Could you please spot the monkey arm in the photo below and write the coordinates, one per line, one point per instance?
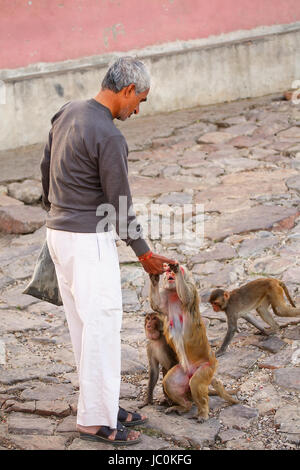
(232, 327)
(157, 301)
(153, 366)
(184, 290)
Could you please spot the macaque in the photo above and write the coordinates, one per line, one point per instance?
(258, 294)
(158, 352)
(187, 381)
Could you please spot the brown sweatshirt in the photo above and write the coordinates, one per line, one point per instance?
(85, 165)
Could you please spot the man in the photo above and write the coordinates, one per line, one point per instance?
(84, 173)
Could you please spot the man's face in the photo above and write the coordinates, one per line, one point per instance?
(130, 102)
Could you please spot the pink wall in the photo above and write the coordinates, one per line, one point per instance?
(54, 30)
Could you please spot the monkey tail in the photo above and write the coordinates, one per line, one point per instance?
(282, 284)
(219, 388)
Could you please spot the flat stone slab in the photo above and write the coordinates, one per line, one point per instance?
(23, 407)
(291, 133)
(244, 444)
(19, 423)
(281, 359)
(35, 442)
(80, 444)
(238, 416)
(220, 252)
(68, 424)
(130, 362)
(248, 185)
(255, 246)
(175, 198)
(292, 333)
(9, 201)
(186, 430)
(128, 390)
(54, 407)
(215, 137)
(272, 344)
(21, 268)
(287, 419)
(49, 393)
(10, 377)
(130, 300)
(21, 219)
(147, 443)
(288, 378)
(143, 186)
(24, 162)
(2, 352)
(12, 320)
(267, 399)
(15, 298)
(252, 219)
(236, 363)
(293, 183)
(230, 435)
(222, 277)
(272, 266)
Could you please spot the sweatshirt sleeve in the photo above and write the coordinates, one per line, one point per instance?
(113, 172)
(45, 162)
(45, 171)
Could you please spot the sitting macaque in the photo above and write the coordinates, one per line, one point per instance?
(185, 331)
(159, 353)
(258, 294)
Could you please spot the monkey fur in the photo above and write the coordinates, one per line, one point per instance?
(259, 295)
(185, 332)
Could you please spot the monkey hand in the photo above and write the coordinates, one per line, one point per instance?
(154, 278)
(145, 403)
(174, 267)
(153, 263)
(220, 353)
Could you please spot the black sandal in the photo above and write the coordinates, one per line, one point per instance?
(103, 433)
(136, 418)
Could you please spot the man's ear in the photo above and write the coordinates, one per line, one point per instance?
(226, 295)
(128, 90)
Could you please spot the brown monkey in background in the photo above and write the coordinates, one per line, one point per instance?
(158, 352)
(185, 331)
(258, 294)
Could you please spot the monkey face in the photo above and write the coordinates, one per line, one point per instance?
(169, 280)
(216, 306)
(153, 326)
(169, 277)
(219, 299)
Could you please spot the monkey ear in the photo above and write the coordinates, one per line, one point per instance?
(226, 295)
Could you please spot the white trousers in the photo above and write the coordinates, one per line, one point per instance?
(88, 273)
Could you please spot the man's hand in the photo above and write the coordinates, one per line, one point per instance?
(153, 263)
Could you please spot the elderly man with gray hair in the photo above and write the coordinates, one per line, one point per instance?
(85, 178)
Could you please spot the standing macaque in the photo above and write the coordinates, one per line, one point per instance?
(259, 295)
(158, 352)
(185, 331)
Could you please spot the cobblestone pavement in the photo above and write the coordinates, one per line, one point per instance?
(241, 160)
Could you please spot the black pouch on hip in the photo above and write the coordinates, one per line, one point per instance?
(43, 284)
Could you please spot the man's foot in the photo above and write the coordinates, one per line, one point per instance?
(92, 430)
(128, 418)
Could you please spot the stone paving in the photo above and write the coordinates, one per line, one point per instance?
(241, 160)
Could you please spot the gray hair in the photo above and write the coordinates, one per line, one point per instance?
(123, 72)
